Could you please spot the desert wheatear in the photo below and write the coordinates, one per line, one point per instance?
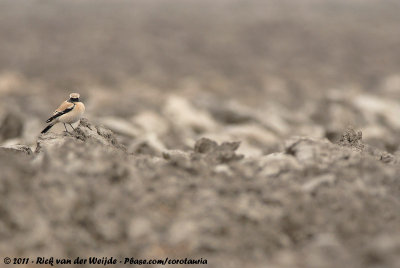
(70, 111)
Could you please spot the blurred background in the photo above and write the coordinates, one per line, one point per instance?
(162, 73)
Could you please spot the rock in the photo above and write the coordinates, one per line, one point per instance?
(18, 148)
(148, 144)
(185, 116)
(215, 153)
(312, 131)
(120, 126)
(175, 155)
(253, 134)
(223, 169)
(255, 140)
(352, 139)
(205, 145)
(374, 108)
(230, 112)
(179, 159)
(273, 118)
(318, 152)
(303, 148)
(85, 132)
(276, 164)
(151, 122)
(247, 148)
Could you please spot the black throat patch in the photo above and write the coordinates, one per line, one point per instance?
(73, 100)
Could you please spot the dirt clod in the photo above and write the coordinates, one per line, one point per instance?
(351, 138)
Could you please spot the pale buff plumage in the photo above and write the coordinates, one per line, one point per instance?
(70, 111)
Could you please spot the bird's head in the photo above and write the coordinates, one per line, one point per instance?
(74, 97)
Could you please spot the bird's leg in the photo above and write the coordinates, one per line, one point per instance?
(72, 127)
(66, 128)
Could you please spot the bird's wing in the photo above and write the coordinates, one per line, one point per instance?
(64, 108)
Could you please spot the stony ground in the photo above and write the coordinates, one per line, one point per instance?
(252, 134)
(312, 204)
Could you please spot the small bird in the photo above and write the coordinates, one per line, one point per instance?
(70, 111)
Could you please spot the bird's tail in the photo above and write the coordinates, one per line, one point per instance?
(53, 117)
(48, 127)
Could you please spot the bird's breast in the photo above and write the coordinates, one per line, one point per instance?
(74, 115)
(80, 107)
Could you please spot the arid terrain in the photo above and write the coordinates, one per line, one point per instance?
(248, 133)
